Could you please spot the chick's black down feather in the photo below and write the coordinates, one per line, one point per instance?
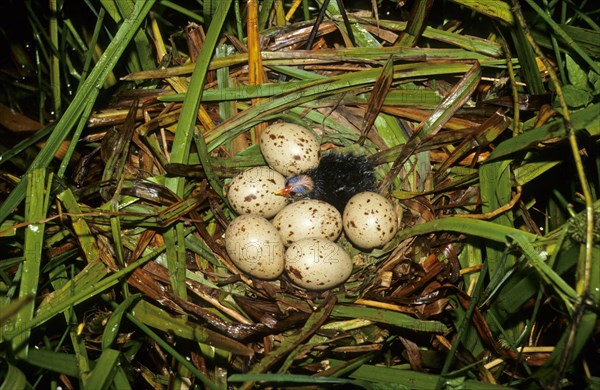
(340, 176)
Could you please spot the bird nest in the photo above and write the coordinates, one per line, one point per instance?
(140, 211)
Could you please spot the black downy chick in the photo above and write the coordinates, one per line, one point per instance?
(338, 177)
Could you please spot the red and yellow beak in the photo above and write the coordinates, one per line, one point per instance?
(285, 191)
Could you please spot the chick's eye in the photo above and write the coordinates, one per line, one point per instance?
(292, 181)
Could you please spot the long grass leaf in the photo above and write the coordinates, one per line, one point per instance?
(113, 324)
(59, 362)
(473, 227)
(528, 62)
(389, 317)
(326, 56)
(103, 373)
(191, 103)
(497, 9)
(495, 183)
(36, 206)
(13, 379)
(416, 23)
(182, 142)
(82, 230)
(390, 377)
(285, 378)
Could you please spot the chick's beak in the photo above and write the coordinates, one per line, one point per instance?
(285, 191)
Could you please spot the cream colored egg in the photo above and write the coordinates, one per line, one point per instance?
(289, 148)
(317, 264)
(369, 220)
(309, 218)
(254, 246)
(253, 192)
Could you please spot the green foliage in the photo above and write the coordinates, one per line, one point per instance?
(124, 124)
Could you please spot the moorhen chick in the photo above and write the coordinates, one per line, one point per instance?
(338, 177)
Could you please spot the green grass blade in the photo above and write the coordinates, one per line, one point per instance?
(176, 259)
(495, 184)
(379, 377)
(416, 23)
(75, 138)
(8, 309)
(209, 10)
(14, 379)
(10, 153)
(529, 171)
(474, 227)
(463, 327)
(111, 330)
(141, 58)
(402, 97)
(191, 103)
(59, 362)
(182, 10)
(527, 60)
(389, 317)
(121, 381)
(265, 10)
(327, 56)
(496, 9)
(447, 108)
(81, 228)
(112, 8)
(89, 55)
(104, 371)
(59, 277)
(55, 82)
(36, 206)
(286, 378)
(538, 262)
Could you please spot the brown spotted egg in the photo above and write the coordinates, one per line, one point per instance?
(308, 218)
(254, 246)
(317, 264)
(289, 148)
(253, 192)
(369, 220)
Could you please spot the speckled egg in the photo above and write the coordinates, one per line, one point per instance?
(253, 192)
(255, 247)
(369, 220)
(309, 218)
(317, 264)
(289, 148)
